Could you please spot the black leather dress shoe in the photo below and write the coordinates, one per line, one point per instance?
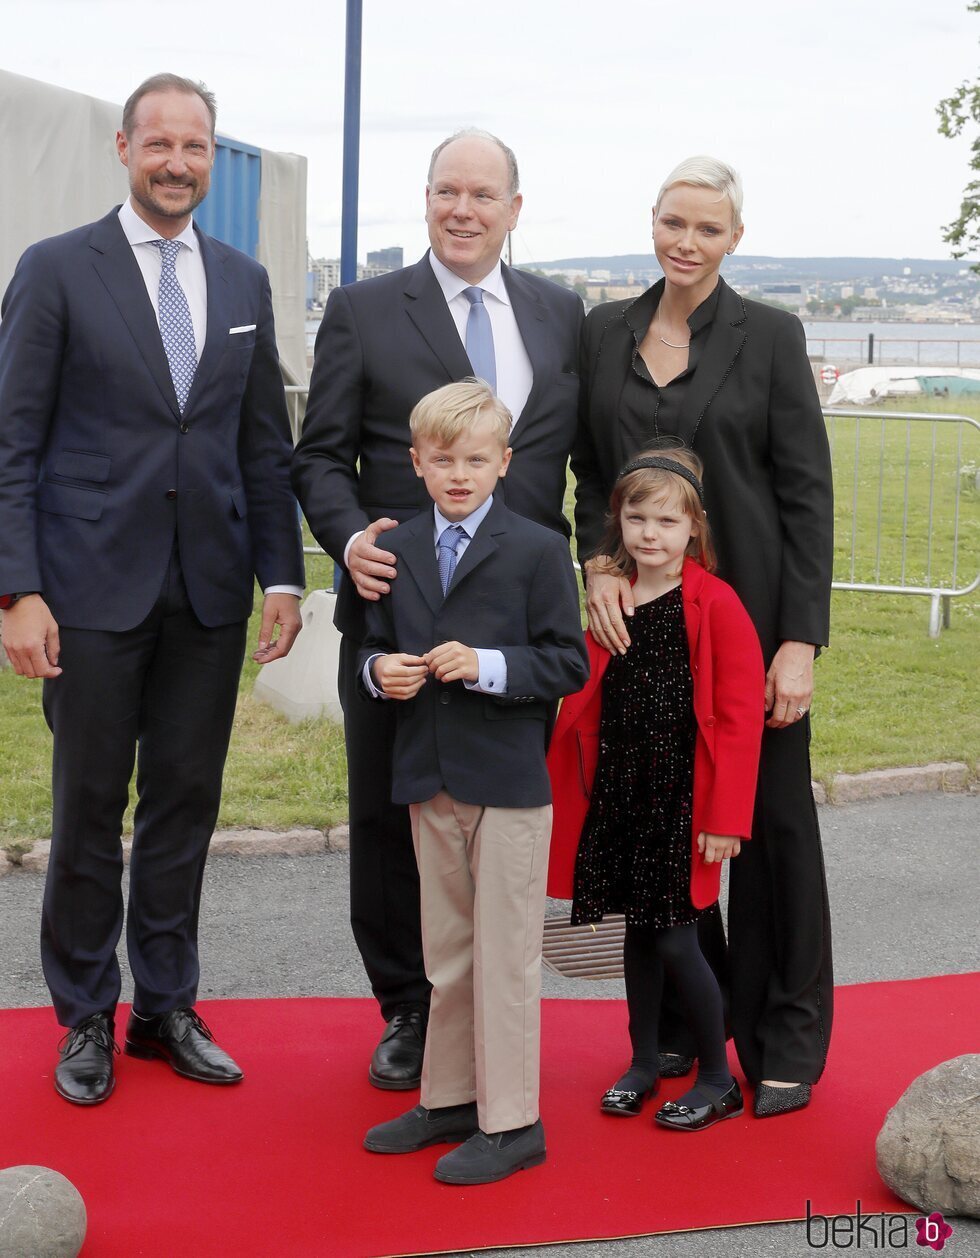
(701, 1117)
(484, 1159)
(626, 1104)
(421, 1127)
(674, 1065)
(182, 1038)
(84, 1074)
(396, 1064)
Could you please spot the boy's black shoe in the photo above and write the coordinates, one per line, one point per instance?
(484, 1159)
(421, 1127)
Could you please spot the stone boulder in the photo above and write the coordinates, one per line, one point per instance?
(928, 1150)
(42, 1214)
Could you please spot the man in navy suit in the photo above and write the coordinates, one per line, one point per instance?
(383, 344)
(144, 485)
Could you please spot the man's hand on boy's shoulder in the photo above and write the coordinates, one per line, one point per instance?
(452, 661)
(400, 676)
(370, 567)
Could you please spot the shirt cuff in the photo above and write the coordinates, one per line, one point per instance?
(493, 672)
(369, 685)
(350, 542)
(295, 590)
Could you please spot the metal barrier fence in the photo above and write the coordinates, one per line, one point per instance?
(904, 485)
(932, 353)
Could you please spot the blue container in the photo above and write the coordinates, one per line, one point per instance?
(230, 211)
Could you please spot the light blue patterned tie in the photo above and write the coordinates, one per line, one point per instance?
(448, 541)
(176, 326)
(479, 338)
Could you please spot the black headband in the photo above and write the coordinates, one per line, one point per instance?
(666, 465)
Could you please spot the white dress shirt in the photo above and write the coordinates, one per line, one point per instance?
(491, 662)
(515, 375)
(192, 279)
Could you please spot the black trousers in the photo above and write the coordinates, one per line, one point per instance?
(163, 693)
(782, 983)
(384, 878)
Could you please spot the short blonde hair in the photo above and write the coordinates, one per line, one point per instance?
(445, 414)
(656, 482)
(707, 172)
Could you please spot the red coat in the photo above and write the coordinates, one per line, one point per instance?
(729, 701)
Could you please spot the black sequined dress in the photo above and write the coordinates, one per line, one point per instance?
(634, 856)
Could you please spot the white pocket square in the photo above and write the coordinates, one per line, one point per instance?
(246, 327)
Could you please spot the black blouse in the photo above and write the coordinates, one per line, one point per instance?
(648, 410)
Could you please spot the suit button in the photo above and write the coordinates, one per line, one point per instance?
(185, 428)
(171, 493)
(710, 721)
(444, 697)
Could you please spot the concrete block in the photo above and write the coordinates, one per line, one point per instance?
(338, 839)
(303, 686)
(36, 860)
(849, 788)
(267, 843)
(42, 1214)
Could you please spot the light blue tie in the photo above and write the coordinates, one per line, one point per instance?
(176, 326)
(448, 541)
(479, 338)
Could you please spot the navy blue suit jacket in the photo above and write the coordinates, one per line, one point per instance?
(99, 471)
(514, 590)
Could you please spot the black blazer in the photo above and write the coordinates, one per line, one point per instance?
(514, 590)
(383, 344)
(99, 471)
(753, 414)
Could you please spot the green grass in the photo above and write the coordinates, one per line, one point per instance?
(886, 693)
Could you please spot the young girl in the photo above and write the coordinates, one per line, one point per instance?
(653, 769)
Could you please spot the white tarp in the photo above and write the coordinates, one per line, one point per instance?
(871, 384)
(59, 169)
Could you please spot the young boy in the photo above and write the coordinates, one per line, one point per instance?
(478, 638)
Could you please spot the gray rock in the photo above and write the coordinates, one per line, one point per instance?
(929, 1147)
(42, 1214)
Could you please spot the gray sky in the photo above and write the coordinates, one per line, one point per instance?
(827, 109)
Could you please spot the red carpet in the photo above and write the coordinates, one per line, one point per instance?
(275, 1168)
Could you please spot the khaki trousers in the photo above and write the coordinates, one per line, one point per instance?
(483, 873)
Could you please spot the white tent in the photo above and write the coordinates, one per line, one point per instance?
(59, 169)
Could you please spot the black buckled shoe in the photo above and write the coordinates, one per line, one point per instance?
(626, 1104)
(701, 1117)
(421, 1127)
(396, 1065)
(84, 1074)
(484, 1159)
(182, 1038)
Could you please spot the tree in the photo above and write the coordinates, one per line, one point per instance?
(954, 114)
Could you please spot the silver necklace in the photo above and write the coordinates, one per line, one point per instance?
(670, 344)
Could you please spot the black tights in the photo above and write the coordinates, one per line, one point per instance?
(647, 953)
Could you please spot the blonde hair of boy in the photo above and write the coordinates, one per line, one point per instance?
(441, 417)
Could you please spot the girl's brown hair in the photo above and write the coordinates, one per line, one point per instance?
(655, 482)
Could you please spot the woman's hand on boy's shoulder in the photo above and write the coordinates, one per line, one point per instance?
(718, 847)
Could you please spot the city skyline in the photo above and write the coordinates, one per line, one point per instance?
(829, 114)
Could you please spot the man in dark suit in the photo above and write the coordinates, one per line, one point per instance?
(383, 344)
(144, 456)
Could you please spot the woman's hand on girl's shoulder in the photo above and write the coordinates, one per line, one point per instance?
(718, 847)
(608, 597)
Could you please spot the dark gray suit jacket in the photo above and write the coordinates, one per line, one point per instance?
(383, 344)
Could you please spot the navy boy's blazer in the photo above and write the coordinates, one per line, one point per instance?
(513, 590)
